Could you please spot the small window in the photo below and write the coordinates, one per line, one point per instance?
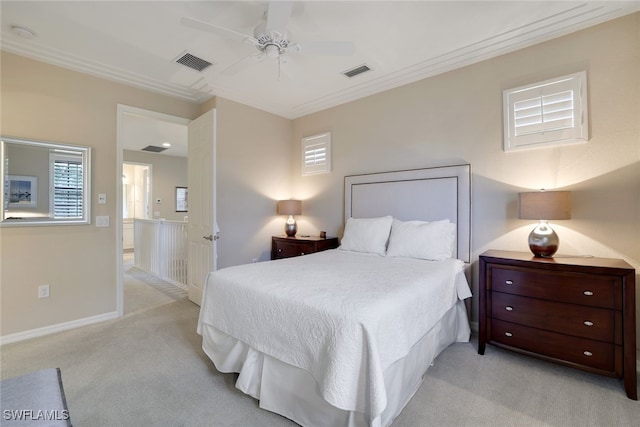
(67, 186)
(548, 113)
(316, 154)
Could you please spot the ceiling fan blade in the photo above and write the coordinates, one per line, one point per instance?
(216, 29)
(335, 48)
(278, 16)
(245, 62)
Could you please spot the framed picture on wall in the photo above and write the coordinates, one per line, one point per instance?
(22, 191)
(182, 199)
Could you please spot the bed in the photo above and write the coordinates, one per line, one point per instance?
(344, 337)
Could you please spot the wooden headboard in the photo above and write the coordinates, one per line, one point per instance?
(426, 194)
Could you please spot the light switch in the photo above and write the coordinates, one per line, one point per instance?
(102, 221)
(102, 199)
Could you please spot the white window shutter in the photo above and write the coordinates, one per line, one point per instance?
(66, 181)
(547, 113)
(316, 154)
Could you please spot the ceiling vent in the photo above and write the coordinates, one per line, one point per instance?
(193, 62)
(154, 148)
(358, 70)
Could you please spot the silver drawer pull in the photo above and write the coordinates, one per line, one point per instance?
(588, 323)
(508, 334)
(508, 308)
(301, 253)
(588, 293)
(587, 353)
(509, 282)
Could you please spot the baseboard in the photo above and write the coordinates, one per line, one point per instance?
(47, 330)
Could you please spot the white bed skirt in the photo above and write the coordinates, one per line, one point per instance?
(292, 392)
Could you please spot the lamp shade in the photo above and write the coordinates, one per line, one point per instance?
(546, 205)
(289, 207)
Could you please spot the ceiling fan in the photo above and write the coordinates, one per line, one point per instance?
(270, 38)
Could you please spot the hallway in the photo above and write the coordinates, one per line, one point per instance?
(143, 291)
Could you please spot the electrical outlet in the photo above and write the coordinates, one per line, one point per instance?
(43, 291)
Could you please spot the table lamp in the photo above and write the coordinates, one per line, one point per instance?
(291, 208)
(544, 206)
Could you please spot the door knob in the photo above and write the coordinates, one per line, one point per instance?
(209, 237)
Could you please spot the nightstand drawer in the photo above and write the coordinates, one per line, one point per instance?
(590, 353)
(577, 320)
(286, 247)
(286, 250)
(574, 288)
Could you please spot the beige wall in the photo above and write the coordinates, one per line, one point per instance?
(254, 170)
(458, 117)
(453, 117)
(167, 173)
(45, 102)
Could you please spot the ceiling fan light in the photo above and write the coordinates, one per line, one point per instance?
(272, 51)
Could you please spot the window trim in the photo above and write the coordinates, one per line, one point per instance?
(578, 132)
(56, 156)
(321, 142)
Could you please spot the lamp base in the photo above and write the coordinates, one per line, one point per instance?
(290, 227)
(543, 241)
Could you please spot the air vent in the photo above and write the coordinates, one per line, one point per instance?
(192, 61)
(154, 148)
(358, 70)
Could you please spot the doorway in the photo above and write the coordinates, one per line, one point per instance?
(135, 199)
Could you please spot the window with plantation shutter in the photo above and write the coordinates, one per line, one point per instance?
(67, 186)
(316, 154)
(547, 113)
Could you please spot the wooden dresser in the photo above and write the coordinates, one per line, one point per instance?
(286, 247)
(576, 311)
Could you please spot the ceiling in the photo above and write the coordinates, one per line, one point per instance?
(138, 43)
(138, 131)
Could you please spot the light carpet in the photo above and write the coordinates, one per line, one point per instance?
(143, 290)
(147, 368)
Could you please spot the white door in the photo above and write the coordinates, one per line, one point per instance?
(201, 234)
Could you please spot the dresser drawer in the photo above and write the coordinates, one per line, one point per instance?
(576, 288)
(578, 320)
(285, 250)
(590, 353)
(539, 306)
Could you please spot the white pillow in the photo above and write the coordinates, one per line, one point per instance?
(423, 240)
(367, 235)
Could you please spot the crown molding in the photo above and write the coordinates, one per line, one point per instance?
(75, 63)
(566, 22)
(570, 20)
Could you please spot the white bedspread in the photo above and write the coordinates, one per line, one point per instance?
(342, 316)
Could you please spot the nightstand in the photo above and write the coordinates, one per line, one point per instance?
(286, 247)
(575, 311)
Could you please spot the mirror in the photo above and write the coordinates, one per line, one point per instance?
(45, 183)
